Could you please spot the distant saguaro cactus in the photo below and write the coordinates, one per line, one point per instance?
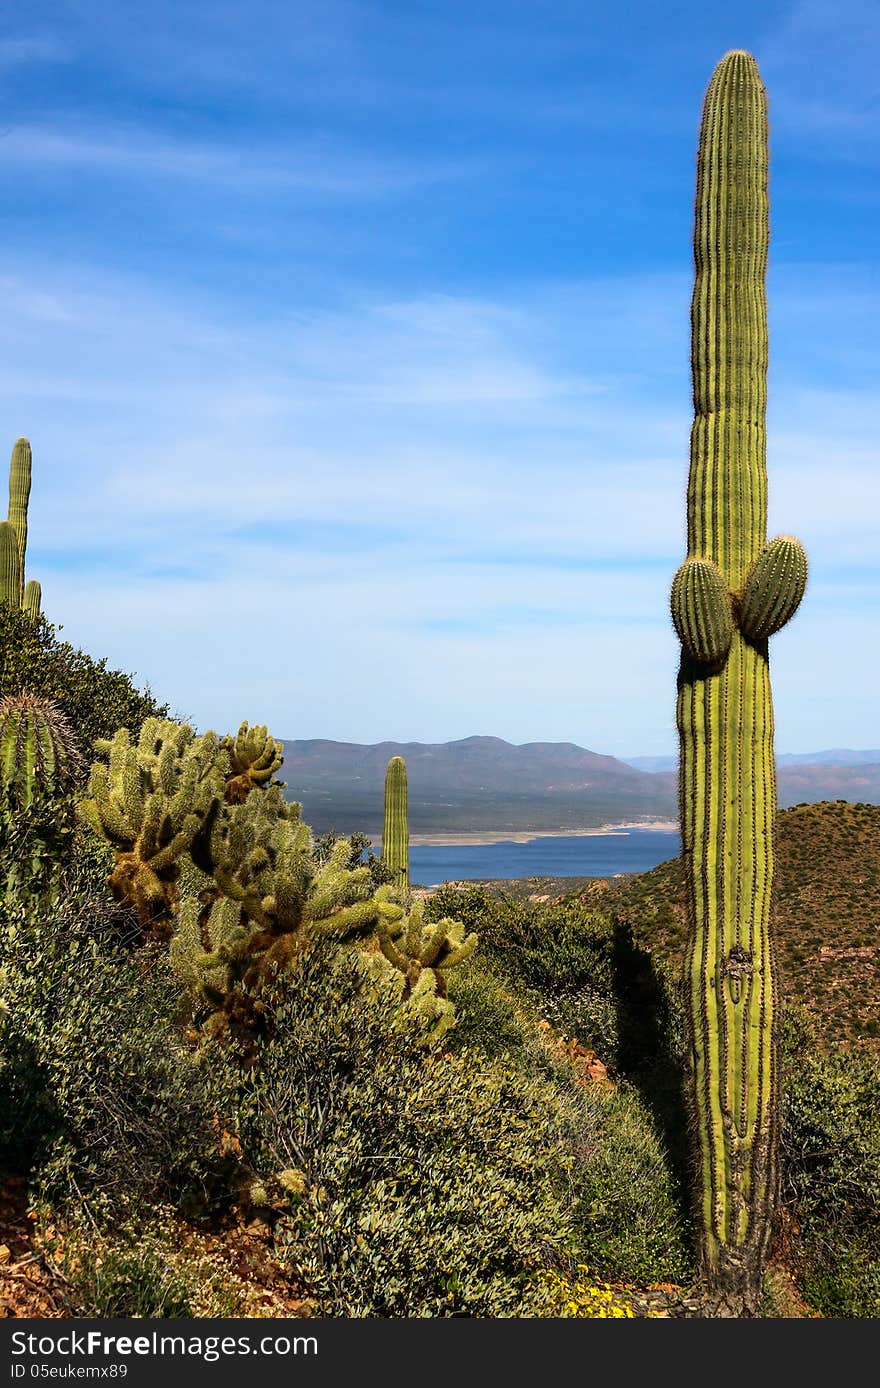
(730, 594)
(395, 829)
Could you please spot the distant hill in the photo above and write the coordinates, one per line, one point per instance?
(485, 783)
(800, 777)
(834, 756)
(474, 783)
(827, 914)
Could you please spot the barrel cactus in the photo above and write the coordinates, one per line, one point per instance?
(38, 764)
(732, 592)
(395, 829)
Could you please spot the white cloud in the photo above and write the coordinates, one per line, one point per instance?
(354, 524)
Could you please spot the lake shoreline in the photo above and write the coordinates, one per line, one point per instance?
(485, 837)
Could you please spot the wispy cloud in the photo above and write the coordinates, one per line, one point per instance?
(130, 154)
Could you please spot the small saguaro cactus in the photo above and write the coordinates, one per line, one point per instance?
(38, 763)
(395, 829)
(150, 801)
(12, 579)
(732, 592)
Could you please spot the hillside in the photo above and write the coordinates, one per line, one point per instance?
(827, 914)
(475, 783)
(800, 777)
(485, 783)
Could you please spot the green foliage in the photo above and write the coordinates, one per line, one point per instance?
(562, 958)
(98, 1089)
(625, 1200)
(96, 701)
(566, 963)
(489, 1018)
(427, 1185)
(831, 1150)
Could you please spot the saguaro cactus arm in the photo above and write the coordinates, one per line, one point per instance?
(10, 564)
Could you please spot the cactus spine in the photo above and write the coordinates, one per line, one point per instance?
(395, 830)
(731, 593)
(13, 535)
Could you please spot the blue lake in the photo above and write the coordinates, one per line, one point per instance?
(569, 855)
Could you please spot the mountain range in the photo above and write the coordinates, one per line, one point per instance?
(485, 783)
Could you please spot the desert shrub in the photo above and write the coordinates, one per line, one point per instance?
(625, 1199)
(95, 700)
(488, 1018)
(421, 1185)
(559, 956)
(831, 1172)
(98, 1088)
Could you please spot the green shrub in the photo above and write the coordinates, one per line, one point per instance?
(95, 700)
(488, 1018)
(626, 1201)
(831, 1170)
(425, 1185)
(98, 1089)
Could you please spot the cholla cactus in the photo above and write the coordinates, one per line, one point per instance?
(416, 956)
(38, 762)
(150, 801)
(265, 901)
(254, 757)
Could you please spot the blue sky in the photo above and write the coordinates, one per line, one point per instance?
(352, 342)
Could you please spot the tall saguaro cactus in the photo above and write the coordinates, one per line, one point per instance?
(395, 830)
(732, 592)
